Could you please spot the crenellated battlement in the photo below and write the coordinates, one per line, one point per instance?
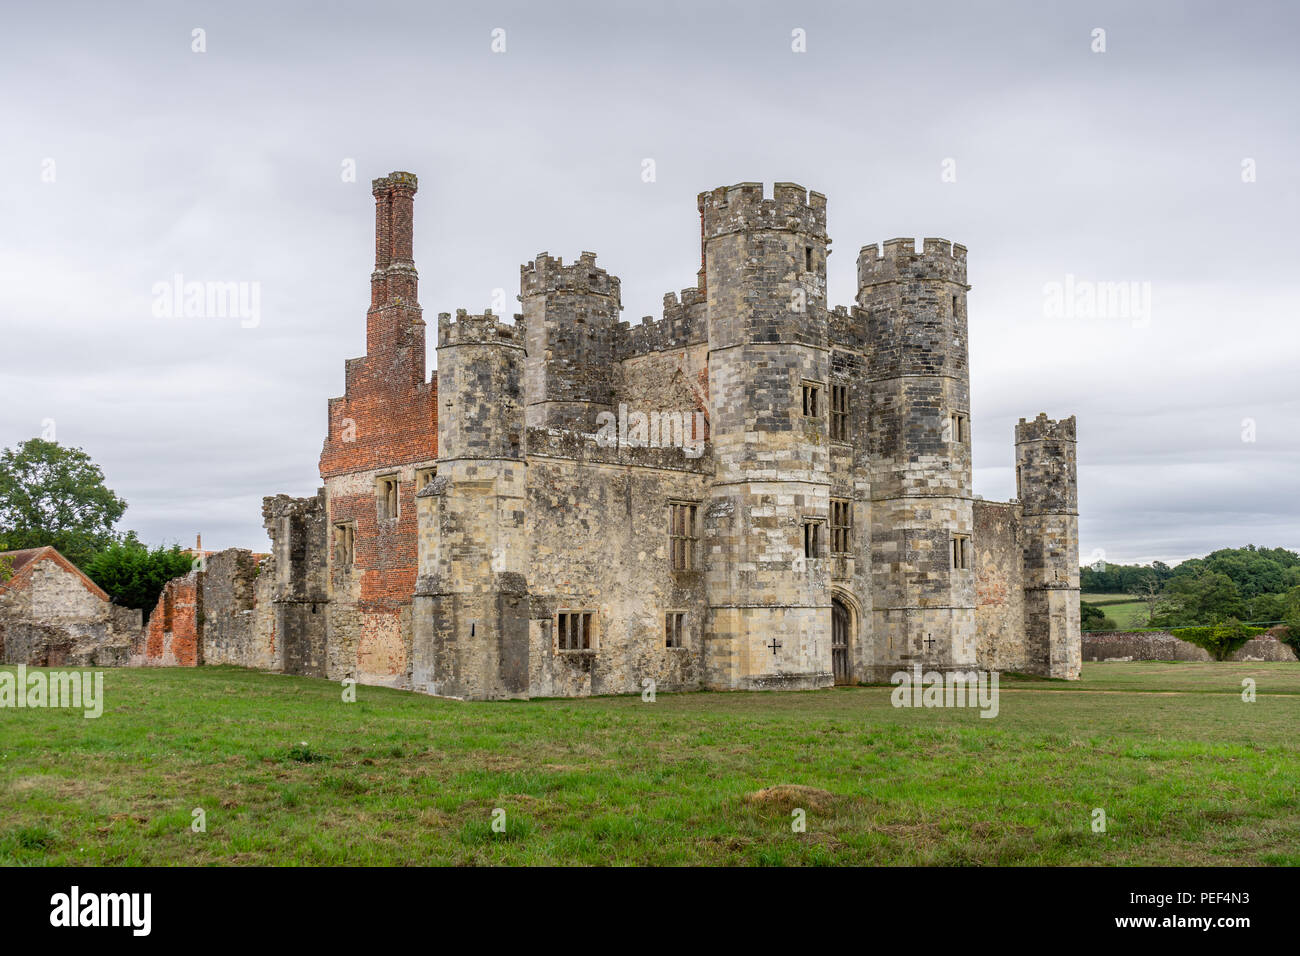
(549, 274)
(1043, 428)
(742, 208)
(938, 259)
(485, 329)
(684, 323)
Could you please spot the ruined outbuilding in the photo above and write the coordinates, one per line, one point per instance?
(755, 491)
(52, 615)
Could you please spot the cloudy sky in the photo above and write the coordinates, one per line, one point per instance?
(129, 158)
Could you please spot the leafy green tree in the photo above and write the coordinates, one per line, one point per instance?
(1221, 640)
(1208, 597)
(52, 495)
(133, 575)
(1093, 618)
(1292, 618)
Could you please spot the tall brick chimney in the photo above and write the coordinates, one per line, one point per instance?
(394, 327)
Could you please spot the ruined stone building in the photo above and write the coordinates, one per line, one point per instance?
(52, 615)
(755, 491)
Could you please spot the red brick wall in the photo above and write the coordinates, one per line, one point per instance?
(388, 414)
(174, 633)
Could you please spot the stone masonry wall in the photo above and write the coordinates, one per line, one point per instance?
(999, 586)
(1163, 646)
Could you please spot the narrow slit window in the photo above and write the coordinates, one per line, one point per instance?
(807, 259)
(961, 552)
(811, 399)
(343, 545)
(959, 428)
(812, 539)
(386, 495)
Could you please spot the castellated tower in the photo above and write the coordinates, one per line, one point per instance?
(764, 530)
(470, 617)
(1047, 484)
(918, 438)
(572, 317)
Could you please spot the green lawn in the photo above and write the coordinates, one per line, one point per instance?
(1186, 772)
(1125, 610)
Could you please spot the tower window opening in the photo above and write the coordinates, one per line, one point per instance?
(961, 552)
(807, 259)
(811, 399)
(812, 539)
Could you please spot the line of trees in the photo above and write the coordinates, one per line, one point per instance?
(1226, 587)
(56, 496)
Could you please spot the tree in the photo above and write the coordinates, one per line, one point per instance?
(1292, 618)
(1220, 640)
(1149, 590)
(1093, 618)
(1207, 597)
(133, 575)
(52, 495)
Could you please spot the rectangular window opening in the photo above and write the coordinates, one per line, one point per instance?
(674, 628)
(961, 552)
(683, 533)
(386, 493)
(841, 526)
(573, 630)
(839, 413)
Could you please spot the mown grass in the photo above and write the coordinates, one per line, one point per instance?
(286, 773)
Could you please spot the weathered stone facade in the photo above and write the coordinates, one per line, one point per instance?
(52, 615)
(755, 491)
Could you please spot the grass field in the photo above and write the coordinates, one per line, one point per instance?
(1186, 772)
(1123, 609)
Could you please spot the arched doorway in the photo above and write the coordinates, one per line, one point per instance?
(841, 629)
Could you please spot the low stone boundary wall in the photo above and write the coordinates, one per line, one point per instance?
(1163, 646)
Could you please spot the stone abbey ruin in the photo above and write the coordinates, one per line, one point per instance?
(756, 491)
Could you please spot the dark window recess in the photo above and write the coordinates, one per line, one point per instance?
(839, 413)
(573, 629)
(674, 628)
(841, 526)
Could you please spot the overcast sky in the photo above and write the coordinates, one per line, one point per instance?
(128, 158)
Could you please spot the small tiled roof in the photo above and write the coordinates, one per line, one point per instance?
(25, 560)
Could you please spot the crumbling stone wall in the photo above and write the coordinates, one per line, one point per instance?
(229, 626)
(297, 527)
(172, 638)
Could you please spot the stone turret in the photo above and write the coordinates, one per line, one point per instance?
(470, 610)
(572, 315)
(918, 446)
(765, 526)
(1047, 484)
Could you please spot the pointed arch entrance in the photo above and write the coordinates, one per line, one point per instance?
(841, 640)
